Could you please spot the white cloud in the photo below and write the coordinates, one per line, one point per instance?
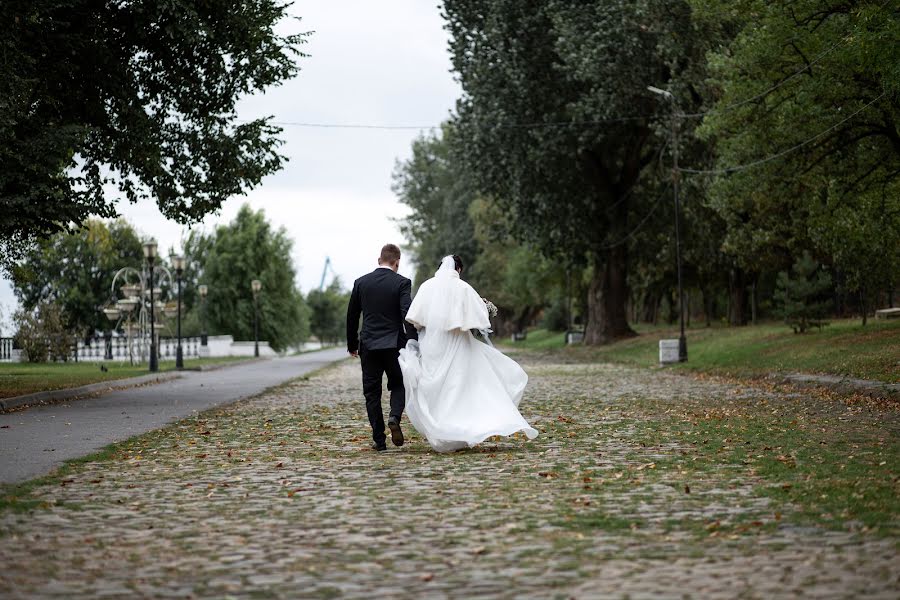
(370, 62)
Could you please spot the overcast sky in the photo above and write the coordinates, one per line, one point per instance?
(369, 63)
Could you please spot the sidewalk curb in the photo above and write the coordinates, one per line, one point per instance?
(52, 396)
(880, 389)
(225, 365)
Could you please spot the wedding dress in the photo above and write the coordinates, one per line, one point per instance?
(459, 391)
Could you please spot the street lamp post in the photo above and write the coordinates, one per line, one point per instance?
(682, 340)
(256, 285)
(203, 290)
(150, 254)
(178, 263)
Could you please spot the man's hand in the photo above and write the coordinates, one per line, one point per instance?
(355, 354)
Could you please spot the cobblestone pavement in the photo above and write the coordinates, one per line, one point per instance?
(280, 496)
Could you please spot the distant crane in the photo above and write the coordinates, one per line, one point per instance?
(325, 270)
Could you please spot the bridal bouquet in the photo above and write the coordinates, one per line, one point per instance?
(491, 307)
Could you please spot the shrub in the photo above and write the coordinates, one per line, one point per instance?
(801, 296)
(42, 335)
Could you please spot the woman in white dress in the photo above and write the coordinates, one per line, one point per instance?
(459, 391)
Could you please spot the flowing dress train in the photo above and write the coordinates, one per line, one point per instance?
(459, 391)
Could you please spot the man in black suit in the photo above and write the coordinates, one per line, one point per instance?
(383, 298)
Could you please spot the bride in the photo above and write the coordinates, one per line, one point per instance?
(459, 391)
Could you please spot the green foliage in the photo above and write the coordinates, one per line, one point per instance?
(432, 183)
(42, 334)
(75, 271)
(822, 73)
(140, 94)
(801, 297)
(328, 312)
(447, 217)
(569, 190)
(247, 249)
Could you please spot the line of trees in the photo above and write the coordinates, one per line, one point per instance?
(69, 275)
(554, 176)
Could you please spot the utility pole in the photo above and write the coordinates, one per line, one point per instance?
(682, 340)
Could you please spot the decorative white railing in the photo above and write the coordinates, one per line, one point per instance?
(138, 349)
(6, 349)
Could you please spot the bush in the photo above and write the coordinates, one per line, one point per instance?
(554, 318)
(42, 335)
(801, 297)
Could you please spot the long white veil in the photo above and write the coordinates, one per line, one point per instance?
(445, 303)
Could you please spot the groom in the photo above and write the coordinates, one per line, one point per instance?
(383, 297)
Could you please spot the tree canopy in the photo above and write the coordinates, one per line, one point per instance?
(75, 272)
(557, 126)
(249, 248)
(814, 87)
(328, 312)
(141, 95)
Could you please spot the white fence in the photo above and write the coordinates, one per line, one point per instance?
(119, 349)
(6, 349)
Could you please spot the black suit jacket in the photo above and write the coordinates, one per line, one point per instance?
(383, 298)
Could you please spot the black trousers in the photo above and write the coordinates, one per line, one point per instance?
(375, 363)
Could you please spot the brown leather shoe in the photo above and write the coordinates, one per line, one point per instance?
(396, 432)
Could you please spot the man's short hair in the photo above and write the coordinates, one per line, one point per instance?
(390, 254)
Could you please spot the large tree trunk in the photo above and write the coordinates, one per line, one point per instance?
(673, 308)
(649, 307)
(709, 305)
(753, 297)
(737, 306)
(864, 305)
(607, 315)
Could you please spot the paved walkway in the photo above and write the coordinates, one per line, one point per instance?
(280, 497)
(34, 441)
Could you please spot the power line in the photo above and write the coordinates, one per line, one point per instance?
(643, 221)
(783, 152)
(795, 74)
(532, 125)
(562, 124)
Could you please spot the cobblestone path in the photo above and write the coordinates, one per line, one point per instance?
(280, 496)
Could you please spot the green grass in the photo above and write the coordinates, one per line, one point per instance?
(848, 473)
(844, 348)
(17, 379)
(17, 497)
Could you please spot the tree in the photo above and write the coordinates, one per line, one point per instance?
(813, 86)
(448, 217)
(247, 249)
(437, 190)
(75, 271)
(328, 312)
(140, 94)
(802, 298)
(42, 334)
(540, 125)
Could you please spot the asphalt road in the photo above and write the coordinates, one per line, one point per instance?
(35, 441)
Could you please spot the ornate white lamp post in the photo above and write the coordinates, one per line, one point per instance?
(138, 286)
(256, 286)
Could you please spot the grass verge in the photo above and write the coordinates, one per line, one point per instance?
(844, 348)
(17, 379)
